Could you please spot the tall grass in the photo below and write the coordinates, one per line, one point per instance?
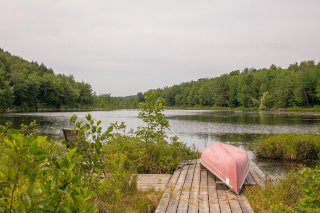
(298, 192)
(293, 147)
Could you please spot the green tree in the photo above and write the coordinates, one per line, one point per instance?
(30, 86)
(6, 93)
(152, 114)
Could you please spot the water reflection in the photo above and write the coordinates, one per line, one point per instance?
(278, 169)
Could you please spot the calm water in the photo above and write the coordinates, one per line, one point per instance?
(198, 127)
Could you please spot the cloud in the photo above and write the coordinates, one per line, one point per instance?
(123, 47)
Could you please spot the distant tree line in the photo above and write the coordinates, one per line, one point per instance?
(276, 87)
(29, 86)
(106, 101)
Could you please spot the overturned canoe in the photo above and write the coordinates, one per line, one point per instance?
(229, 163)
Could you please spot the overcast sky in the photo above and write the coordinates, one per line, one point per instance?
(126, 46)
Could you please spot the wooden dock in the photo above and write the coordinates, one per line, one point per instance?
(191, 188)
(153, 181)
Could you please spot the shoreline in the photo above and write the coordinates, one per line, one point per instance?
(291, 110)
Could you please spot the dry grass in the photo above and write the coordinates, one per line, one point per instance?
(144, 202)
(275, 196)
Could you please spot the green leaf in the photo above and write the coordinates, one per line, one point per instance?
(42, 140)
(110, 129)
(4, 170)
(71, 153)
(12, 154)
(73, 118)
(89, 208)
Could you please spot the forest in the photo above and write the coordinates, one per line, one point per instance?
(28, 86)
(272, 88)
(108, 102)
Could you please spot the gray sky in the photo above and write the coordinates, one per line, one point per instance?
(124, 46)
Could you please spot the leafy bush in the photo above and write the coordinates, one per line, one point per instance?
(160, 155)
(35, 176)
(119, 154)
(147, 149)
(310, 185)
(289, 147)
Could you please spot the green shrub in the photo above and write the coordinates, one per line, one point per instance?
(35, 176)
(146, 150)
(310, 185)
(118, 183)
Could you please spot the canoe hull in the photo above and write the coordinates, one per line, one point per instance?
(229, 163)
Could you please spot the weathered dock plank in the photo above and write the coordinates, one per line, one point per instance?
(213, 196)
(174, 201)
(152, 181)
(162, 206)
(233, 202)
(254, 175)
(193, 200)
(185, 194)
(249, 180)
(245, 205)
(258, 170)
(223, 200)
(203, 196)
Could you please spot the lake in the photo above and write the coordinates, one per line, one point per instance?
(194, 127)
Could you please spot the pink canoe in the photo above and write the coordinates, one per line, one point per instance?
(229, 163)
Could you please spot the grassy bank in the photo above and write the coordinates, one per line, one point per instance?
(210, 108)
(293, 147)
(302, 110)
(65, 109)
(298, 192)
